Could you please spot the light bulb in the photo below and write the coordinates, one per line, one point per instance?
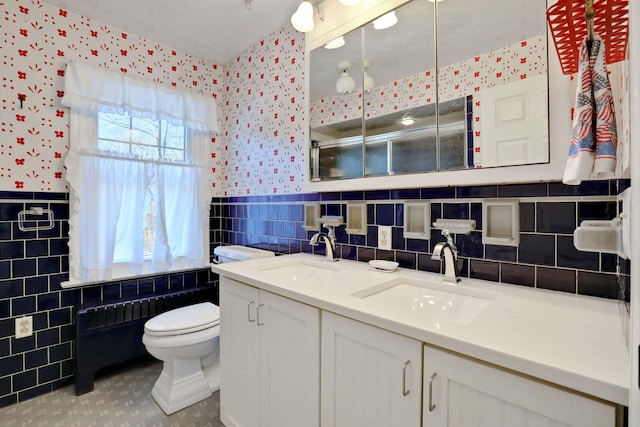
(345, 84)
(302, 20)
(407, 121)
(386, 21)
(367, 80)
(335, 43)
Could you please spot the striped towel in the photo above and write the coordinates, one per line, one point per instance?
(592, 148)
(606, 131)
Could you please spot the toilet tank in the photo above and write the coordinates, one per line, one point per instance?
(239, 253)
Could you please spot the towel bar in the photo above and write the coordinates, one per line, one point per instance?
(22, 215)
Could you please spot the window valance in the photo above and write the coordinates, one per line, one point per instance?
(97, 89)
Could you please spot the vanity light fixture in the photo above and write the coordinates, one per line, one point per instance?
(386, 21)
(335, 43)
(302, 19)
(345, 83)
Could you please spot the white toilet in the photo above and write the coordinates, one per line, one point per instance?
(187, 340)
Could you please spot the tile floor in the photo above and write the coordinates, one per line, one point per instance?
(120, 398)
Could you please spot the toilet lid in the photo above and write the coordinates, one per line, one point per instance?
(242, 253)
(192, 318)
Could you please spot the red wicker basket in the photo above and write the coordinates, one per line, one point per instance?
(568, 27)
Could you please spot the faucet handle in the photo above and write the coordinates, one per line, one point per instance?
(437, 251)
(331, 232)
(449, 238)
(314, 239)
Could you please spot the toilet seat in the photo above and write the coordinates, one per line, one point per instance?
(177, 341)
(184, 320)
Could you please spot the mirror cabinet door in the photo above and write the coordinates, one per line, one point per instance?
(399, 107)
(492, 83)
(335, 113)
(378, 107)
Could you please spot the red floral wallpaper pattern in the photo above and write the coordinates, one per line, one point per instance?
(260, 98)
(264, 122)
(524, 59)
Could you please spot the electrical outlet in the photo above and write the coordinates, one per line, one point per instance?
(24, 326)
(384, 237)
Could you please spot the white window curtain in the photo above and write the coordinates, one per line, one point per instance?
(91, 88)
(107, 190)
(182, 217)
(99, 219)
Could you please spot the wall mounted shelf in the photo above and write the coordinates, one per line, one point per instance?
(311, 217)
(501, 222)
(357, 218)
(417, 217)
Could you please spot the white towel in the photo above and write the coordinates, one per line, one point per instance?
(592, 148)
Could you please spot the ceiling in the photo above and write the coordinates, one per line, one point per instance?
(216, 30)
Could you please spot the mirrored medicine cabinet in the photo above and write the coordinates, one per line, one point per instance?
(452, 85)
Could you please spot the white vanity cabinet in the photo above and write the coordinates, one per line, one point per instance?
(270, 354)
(461, 392)
(370, 377)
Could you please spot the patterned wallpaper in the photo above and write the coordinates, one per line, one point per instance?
(260, 94)
(468, 77)
(260, 98)
(263, 124)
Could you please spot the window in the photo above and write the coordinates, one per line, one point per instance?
(139, 188)
(149, 140)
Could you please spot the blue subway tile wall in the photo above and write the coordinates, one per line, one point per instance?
(33, 264)
(545, 258)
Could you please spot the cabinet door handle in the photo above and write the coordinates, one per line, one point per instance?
(258, 315)
(405, 392)
(249, 311)
(432, 406)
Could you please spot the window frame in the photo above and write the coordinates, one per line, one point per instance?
(187, 135)
(84, 135)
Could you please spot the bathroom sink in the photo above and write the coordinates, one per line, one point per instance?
(435, 300)
(298, 270)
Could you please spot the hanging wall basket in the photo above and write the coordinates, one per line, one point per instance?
(568, 28)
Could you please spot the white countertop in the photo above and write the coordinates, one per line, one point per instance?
(570, 340)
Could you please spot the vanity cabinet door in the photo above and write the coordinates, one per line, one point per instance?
(239, 357)
(370, 377)
(269, 357)
(460, 392)
(289, 362)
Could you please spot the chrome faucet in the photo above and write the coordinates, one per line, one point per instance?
(329, 241)
(450, 252)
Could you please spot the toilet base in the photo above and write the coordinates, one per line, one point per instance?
(211, 369)
(181, 383)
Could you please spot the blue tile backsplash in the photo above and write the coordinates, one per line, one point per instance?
(545, 258)
(33, 264)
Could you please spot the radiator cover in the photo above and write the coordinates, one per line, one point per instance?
(112, 333)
